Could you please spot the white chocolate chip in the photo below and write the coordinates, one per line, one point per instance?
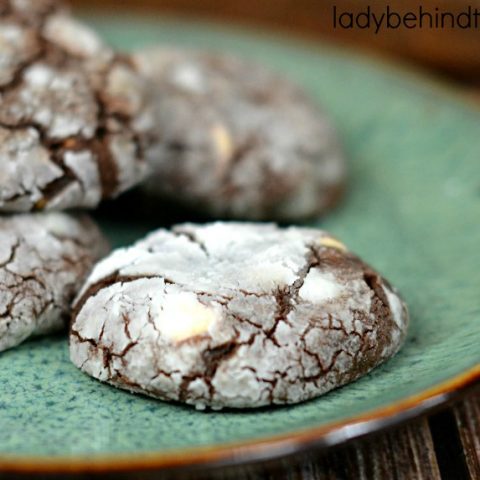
(182, 317)
(320, 287)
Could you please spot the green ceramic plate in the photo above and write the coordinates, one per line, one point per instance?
(412, 210)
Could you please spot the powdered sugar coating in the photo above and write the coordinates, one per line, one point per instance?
(228, 315)
(44, 259)
(70, 97)
(237, 140)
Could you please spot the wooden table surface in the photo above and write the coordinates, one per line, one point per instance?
(441, 446)
(445, 445)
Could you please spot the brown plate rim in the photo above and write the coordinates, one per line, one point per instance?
(268, 449)
(259, 450)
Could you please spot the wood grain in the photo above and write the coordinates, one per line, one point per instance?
(408, 451)
(467, 415)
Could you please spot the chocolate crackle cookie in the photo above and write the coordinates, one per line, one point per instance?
(74, 116)
(235, 139)
(44, 259)
(235, 315)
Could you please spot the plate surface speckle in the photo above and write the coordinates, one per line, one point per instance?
(412, 211)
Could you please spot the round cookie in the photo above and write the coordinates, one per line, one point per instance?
(74, 116)
(237, 140)
(234, 315)
(44, 259)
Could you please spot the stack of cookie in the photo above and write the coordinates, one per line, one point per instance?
(223, 314)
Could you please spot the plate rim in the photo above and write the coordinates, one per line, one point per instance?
(258, 450)
(301, 441)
